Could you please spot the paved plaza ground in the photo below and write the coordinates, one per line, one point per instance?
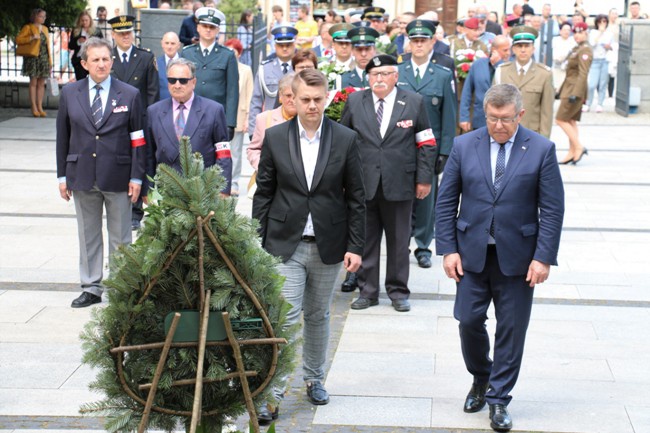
(586, 367)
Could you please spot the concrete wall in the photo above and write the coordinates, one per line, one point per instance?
(640, 61)
(154, 23)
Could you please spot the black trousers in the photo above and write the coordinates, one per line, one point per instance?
(513, 300)
(394, 219)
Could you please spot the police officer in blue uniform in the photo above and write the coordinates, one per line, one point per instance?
(265, 86)
(217, 74)
(137, 67)
(363, 48)
(435, 84)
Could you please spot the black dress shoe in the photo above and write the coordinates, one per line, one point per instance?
(86, 299)
(363, 303)
(317, 393)
(350, 283)
(424, 261)
(265, 416)
(500, 418)
(401, 305)
(584, 152)
(475, 400)
(135, 224)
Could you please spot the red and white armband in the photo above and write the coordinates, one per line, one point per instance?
(222, 149)
(137, 138)
(425, 138)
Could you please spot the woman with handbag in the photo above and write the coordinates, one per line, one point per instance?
(84, 29)
(33, 43)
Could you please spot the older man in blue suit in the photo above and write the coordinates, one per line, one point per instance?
(187, 114)
(500, 243)
(171, 45)
(100, 160)
(478, 82)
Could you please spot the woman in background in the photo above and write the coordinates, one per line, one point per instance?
(245, 36)
(84, 29)
(562, 46)
(36, 68)
(601, 40)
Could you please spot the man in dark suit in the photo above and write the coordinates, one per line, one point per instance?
(171, 46)
(188, 33)
(478, 81)
(217, 73)
(138, 68)
(398, 154)
(500, 243)
(310, 203)
(100, 158)
(435, 84)
(187, 114)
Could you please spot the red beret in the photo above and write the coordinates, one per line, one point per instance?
(471, 23)
(580, 27)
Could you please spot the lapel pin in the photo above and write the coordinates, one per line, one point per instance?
(523, 147)
(114, 103)
(401, 102)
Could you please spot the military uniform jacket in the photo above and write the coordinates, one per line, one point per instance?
(352, 78)
(141, 72)
(577, 70)
(265, 89)
(439, 99)
(537, 91)
(456, 43)
(217, 77)
(108, 154)
(397, 160)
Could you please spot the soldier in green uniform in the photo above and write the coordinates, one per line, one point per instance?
(363, 47)
(434, 83)
(573, 93)
(534, 80)
(217, 74)
(342, 46)
(137, 67)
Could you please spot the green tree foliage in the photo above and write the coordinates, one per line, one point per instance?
(15, 14)
(134, 316)
(234, 8)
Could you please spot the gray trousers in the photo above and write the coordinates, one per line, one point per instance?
(309, 287)
(89, 206)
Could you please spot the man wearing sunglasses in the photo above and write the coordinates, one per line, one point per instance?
(398, 153)
(191, 115)
(217, 73)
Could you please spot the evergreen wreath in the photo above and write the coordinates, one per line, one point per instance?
(172, 267)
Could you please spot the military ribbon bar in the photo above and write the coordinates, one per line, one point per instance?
(137, 138)
(425, 138)
(222, 149)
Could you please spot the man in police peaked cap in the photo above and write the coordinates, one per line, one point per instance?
(217, 74)
(342, 44)
(435, 83)
(270, 71)
(534, 80)
(137, 67)
(398, 152)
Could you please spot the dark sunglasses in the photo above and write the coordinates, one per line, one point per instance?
(183, 81)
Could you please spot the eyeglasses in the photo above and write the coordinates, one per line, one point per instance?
(183, 81)
(384, 74)
(503, 120)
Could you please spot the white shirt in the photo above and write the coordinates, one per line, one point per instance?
(494, 151)
(106, 86)
(127, 52)
(360, 72)
(389, 103)
(168, 59)
(497, 72)
(309, 152)
(209, 47)
(422, 68)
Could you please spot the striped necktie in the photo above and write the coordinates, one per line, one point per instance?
(499, 170)
(180, 122)
(380, 112)
(96, 107)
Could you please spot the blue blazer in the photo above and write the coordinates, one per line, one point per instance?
(528, 209)
(205, 125)
(478, 81)
(162, 77)
(103, 154)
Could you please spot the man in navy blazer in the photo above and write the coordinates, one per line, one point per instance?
(100, 159)
(500, 243)
(200, 119)
(478, 82)
(171, 45)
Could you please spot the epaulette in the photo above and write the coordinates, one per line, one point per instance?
(543, 66)
(504, 64)
(186, 47)
(266, 61)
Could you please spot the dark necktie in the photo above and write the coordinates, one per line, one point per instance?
(205, 52)
(417, 76)
(96, 107)
(285, 68)
(499, 170)
(180, 122)
(380, 112)
(363, 79)
(125, 59)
